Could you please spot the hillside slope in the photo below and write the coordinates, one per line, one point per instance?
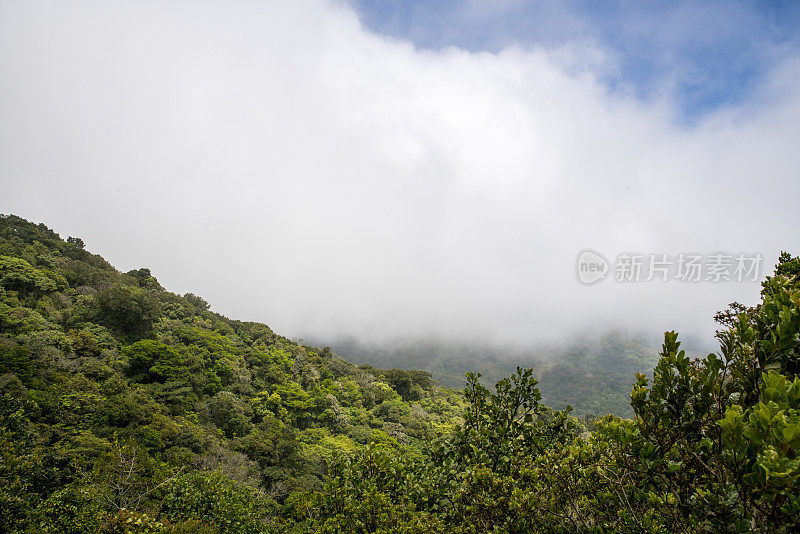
(594, 376)
(96, 362)
(125, 408)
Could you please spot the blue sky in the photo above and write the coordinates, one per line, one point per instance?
(701, 55)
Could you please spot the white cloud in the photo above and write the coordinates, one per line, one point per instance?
(295, 169)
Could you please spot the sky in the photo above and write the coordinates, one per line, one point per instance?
(389, 170)
(701, 55)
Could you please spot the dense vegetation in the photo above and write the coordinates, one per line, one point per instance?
(118, 395)
(126, 408)
(594, 375)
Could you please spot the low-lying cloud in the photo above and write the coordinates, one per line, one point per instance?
(296, 169)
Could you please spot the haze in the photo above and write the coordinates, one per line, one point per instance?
(294, 167)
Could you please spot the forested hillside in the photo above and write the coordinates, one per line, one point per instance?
(127, 408)
(593, 375)
(116, 394)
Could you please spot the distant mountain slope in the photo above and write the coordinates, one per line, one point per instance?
(595, 376)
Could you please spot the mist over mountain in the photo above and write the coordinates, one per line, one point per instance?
(592, 373)
(334, 181)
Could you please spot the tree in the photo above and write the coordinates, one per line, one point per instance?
(129, 311)
(78, 242)
(152, 361)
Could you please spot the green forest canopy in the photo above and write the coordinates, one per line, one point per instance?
(127, 408)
